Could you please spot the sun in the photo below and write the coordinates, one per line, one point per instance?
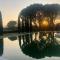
(44, 23)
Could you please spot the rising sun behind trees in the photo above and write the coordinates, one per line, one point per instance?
(31, 17)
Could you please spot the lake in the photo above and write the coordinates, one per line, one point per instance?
(22, 48)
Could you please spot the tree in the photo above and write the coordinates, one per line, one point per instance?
(51, 11)
(29, 13)
(1, 25)
(12, 25)
(39, 12)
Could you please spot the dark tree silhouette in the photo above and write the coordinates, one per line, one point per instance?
(1, 34)
(12, 26)
(57, 27)
(51, 11)
(38, 12)
(1, 24)
(29, 13)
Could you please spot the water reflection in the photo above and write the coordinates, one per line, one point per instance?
(39, 44)
(12, 38)
(1, 46)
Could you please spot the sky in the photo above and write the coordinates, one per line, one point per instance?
(10, 8)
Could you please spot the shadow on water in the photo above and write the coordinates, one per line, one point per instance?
(37, 46)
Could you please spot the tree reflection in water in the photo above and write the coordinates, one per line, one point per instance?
(1, 46)
(12, 38)
(39, 45)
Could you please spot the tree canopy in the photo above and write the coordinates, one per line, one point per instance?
(39, 12)
(47, 9)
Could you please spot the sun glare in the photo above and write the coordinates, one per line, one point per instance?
(57, 21)
(45, 23)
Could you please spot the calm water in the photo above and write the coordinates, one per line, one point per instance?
(24, 48)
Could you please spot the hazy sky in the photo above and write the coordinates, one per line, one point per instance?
(11, 8)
